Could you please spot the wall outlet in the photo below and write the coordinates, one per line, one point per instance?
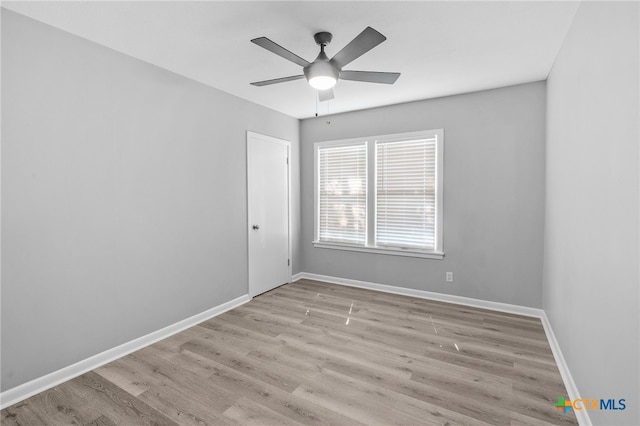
(449, 277)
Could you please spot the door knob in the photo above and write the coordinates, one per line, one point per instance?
(256, 227)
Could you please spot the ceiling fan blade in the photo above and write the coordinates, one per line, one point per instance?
(325, 95)
(279, 50)
(370, 76)
(277, 80)
(364, 42)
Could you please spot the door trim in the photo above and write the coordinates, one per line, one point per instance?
(267, 138)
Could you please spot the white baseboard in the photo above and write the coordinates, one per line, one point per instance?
(423, 294)
(24, 391)
(567, 378)
(569, 383)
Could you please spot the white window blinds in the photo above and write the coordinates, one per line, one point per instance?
(342, 194)
(406, 193)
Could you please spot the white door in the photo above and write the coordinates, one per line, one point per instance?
(268, 212)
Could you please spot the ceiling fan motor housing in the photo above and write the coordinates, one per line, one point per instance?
(322, 66)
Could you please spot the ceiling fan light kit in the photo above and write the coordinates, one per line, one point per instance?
(322, 82)
(323, 73)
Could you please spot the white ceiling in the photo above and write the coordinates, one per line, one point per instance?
(441, 48)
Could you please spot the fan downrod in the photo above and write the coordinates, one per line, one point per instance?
(322, 38)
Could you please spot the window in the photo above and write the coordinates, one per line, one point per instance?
(381, 194)
(342, 194)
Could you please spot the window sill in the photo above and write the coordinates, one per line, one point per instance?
(381, 250)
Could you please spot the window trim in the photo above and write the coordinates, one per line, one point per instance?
(371, 143)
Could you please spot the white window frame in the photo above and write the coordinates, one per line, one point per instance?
(370, 247)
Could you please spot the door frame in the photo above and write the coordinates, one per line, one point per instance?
(266, 138)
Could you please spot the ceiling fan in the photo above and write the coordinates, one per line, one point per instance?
(323, 73)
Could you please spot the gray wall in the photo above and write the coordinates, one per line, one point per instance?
(591, 238)
(493, 194)
(123, 197)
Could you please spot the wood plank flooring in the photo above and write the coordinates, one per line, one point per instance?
(318, 354)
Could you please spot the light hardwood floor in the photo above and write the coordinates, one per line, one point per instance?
(318, 354)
